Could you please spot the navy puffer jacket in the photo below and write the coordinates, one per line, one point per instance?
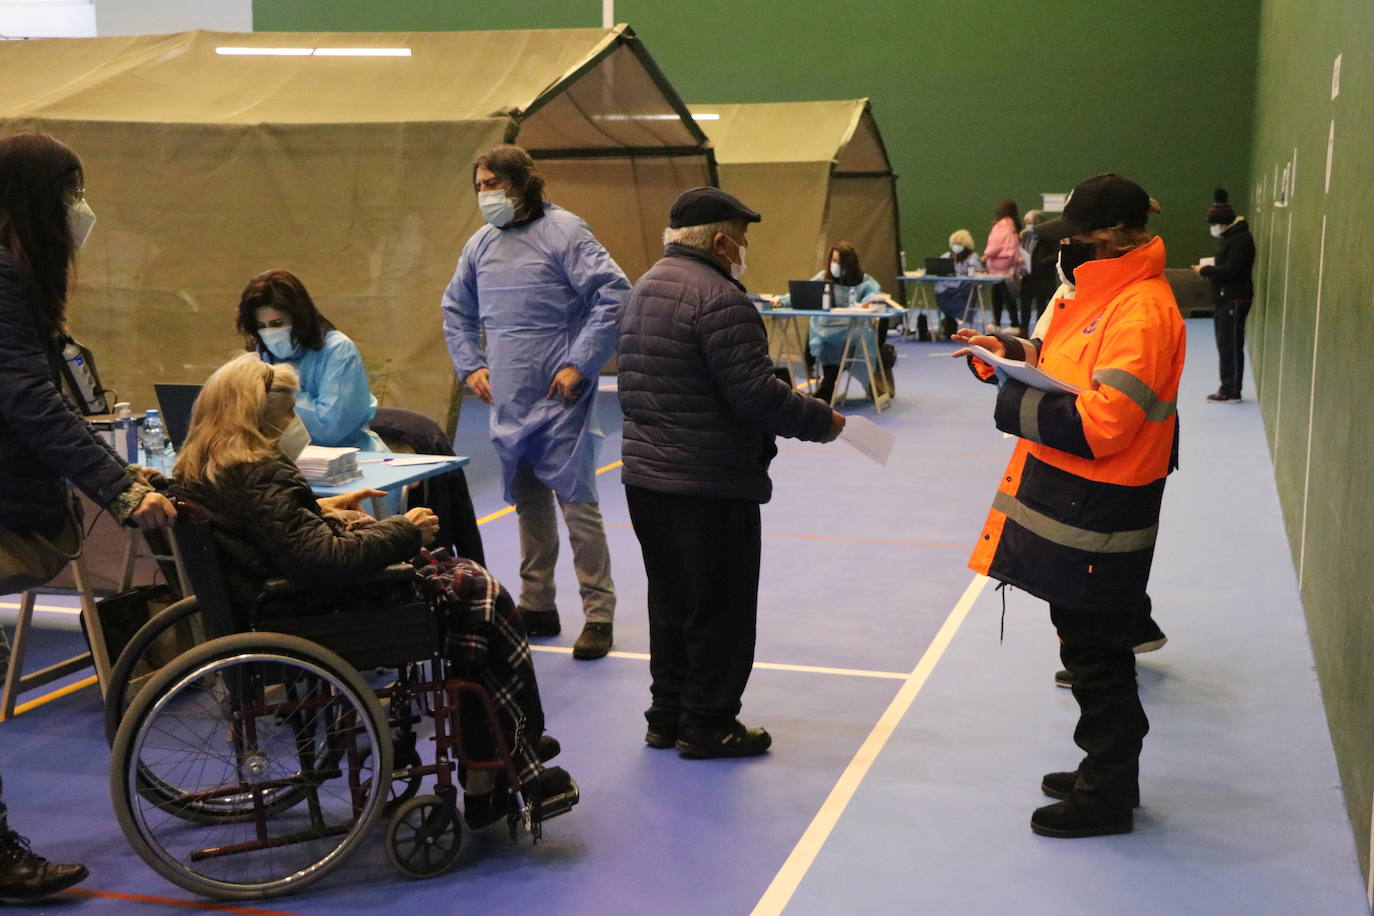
(44, 440)
(697, 388)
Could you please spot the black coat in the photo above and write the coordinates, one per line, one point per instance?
(267, 524)
(44, 439)
(701, 402)
(1231, 277)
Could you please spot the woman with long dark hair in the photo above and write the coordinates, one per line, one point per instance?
(44, 440)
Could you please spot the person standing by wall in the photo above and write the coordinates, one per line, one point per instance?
(547, 295)
(1041, 279)
(44, 441)
(1002, 255)
(1233, 291)
(1076, 514)
(702, 407)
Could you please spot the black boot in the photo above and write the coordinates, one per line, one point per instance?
(1080, 817)
(25, 875)
(594, 641)
(540, 623)
(735, 741)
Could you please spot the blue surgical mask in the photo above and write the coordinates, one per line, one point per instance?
(278, 342)
(496, 208)
(834, 270)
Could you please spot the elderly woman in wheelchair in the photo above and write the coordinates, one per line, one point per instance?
(249, 766)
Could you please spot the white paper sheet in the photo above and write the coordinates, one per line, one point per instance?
(868, 437)
(1026, 375)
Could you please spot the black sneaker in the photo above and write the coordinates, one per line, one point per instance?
(735, 741)
(1060, 785)
(660, 736)
(25, 875)
(594, 642)
(1070, 820)
(1220, 397)
(1063, 678)
(547, 748)
(540, 623)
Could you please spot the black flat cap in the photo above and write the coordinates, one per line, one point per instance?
(700, 206)
(1099, 202)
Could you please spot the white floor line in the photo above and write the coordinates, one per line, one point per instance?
(789, 877)
(50, 608)
(763, 666)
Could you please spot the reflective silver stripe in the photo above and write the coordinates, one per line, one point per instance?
(1137, 391)
(1069, 535)
(1030, 414)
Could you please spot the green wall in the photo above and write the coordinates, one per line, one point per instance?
(977, 101)
(1310, 336)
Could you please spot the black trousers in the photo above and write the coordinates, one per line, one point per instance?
(1002, 299)
(1229, 319)
(1095, 647)
(701, 556)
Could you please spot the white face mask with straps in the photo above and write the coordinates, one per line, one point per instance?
(294, 439)
(80, 220)
(737, 270)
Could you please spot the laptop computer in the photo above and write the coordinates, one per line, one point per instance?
(939, 267)
(806, 294)
(175, 402)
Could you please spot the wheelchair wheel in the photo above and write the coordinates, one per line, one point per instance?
(424, 836)
(244, 721)
(130, 674)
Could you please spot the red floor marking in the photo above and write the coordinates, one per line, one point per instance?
(173, 901)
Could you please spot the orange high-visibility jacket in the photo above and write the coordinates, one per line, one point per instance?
(1076, 513)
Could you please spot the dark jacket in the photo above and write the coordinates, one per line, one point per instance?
(44, 440)
(701, 402)
(1231, 277)
(267, 524)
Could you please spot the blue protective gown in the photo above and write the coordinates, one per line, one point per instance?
(829, 334)
(548, 295)
(334, 402)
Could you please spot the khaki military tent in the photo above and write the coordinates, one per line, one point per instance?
(206, 167)
(819, 174)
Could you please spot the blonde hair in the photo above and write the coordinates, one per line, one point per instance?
(238, 401)
(962, 237)
(703, 236)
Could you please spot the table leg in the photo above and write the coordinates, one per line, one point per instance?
(95, 633)
(874, 365)
(841, 391)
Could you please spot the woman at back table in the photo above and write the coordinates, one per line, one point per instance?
(281, 324)
(849, 287)
(954, 298)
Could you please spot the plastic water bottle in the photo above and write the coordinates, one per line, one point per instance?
(154, 441)
(126, 434)
(825, 298)
(902, 255)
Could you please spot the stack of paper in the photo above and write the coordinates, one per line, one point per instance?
(329, 466)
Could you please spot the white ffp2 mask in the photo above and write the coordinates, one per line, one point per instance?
(80, 220)
(294, 439)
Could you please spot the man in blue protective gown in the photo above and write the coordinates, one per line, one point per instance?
(547, 295)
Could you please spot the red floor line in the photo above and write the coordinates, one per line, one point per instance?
(173, 901)
(827, 537)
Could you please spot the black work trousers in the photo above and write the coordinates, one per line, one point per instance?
(701, 556)
(1229, 319)
(1095, 647)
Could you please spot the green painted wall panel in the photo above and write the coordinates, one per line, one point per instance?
(977, 101)
(1310, 340)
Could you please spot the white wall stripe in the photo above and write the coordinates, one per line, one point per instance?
(1283, 334)
(1311, 407)
(789, 877)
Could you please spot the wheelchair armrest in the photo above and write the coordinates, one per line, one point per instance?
(279, 587)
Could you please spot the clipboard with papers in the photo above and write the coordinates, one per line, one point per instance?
(1026, 375)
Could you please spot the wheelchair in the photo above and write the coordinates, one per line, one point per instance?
(255, 763)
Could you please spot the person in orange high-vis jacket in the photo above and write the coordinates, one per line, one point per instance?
(1076, 513)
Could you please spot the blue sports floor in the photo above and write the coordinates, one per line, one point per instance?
(908, 741)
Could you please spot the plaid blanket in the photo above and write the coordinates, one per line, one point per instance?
(485, 641)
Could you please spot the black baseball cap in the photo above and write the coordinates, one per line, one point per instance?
(700, 206)
(1099, 202)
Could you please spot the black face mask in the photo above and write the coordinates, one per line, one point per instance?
(1073, 255)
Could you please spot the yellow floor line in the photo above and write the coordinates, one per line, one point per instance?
(502, 513)
(789, 877)
(55, 695)
(765, 666)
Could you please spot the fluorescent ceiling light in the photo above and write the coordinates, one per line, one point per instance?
(316, 52)
(362, 52)
(268, 52)
(705, 117)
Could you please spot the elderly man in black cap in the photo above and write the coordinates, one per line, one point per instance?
(702, 407)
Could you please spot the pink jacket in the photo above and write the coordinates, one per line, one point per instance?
(1003, 252)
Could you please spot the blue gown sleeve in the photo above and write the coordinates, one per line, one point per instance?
(867, 290)
(462, 328)
(593, 273)
(343, 403)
